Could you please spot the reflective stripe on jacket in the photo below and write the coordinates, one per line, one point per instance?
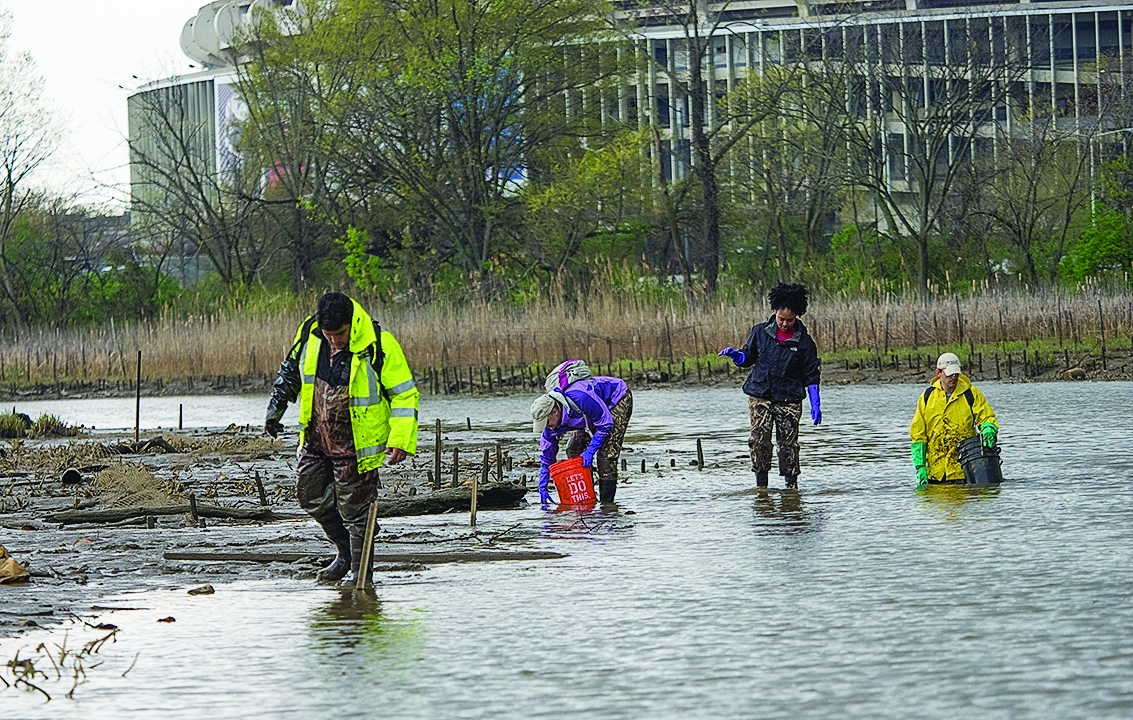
(377, 421)
(943, 422)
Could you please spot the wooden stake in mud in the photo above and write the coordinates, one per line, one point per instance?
(437, 457)
(367, 547)
(476, 488)
(193, 510)
(1101, 326)
(456, 467)
(180, 416)
(138, 401)
(499, 463)
(699, 455)
(260, 490)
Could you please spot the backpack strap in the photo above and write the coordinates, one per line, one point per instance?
(304, 335)
(967, 396)
(377, 359)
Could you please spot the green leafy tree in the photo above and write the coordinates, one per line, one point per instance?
(1106, 246)
(442, 110)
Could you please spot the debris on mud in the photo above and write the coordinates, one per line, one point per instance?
(141, 505)
(11, 572)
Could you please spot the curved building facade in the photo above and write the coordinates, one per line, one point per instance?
(1069, 60)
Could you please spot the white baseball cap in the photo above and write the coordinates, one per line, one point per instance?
(949, 363)
(541, 409)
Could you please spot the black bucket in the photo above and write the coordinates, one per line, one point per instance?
(981, 464)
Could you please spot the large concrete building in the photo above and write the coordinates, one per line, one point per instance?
(1070, 57)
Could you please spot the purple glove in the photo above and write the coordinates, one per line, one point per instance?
(815, 404)
(544, 479)
(587, 458)
(736, 356)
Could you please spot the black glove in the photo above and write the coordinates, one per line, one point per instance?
(285, 390)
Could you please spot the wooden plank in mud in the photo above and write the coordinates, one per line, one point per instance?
(494, 496)
(71, 517)
(422, 558)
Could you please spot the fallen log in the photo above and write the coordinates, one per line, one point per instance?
(72, 517)
(422, 558)
(494, 496)
(157, 444)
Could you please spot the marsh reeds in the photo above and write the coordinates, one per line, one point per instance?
(485, 345)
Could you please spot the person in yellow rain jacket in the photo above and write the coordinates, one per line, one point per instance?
(357, 401)
(951, 410)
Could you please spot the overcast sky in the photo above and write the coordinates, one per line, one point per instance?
(85, 50)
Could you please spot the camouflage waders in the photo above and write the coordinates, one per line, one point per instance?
(785, 417)
(606, 461)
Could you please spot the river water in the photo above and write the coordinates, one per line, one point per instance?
(854, 598)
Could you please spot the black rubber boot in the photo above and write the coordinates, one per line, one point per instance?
(351, 579)
(792, 482)
(339, 566)
(606, 489)
(761, 478)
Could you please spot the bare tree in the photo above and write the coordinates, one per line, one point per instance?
(1040, 184)
(718, 121)
(794, 166)
(29, 134)
(178, 190)
(928, 96)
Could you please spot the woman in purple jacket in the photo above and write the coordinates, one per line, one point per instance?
(596, 411)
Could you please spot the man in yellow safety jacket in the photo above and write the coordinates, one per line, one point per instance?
(357, 401)
(951, 410)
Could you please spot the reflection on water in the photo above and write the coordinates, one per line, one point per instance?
(854, 597)
(353, 624)
(782, 513)
(351, 615)
(949, 499)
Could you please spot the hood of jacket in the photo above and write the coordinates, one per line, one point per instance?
(362, 333)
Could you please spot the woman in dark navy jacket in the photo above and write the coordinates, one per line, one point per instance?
(784, 367)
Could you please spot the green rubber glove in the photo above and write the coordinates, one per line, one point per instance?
(919, 450)
(988, 431)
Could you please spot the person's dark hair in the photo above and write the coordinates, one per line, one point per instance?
(335, 310)
(793, 297)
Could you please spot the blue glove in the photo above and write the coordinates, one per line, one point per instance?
(544, 479)
(736, 356)
(587, 458)
(815, 404)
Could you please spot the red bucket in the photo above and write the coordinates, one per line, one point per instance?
(573, 482)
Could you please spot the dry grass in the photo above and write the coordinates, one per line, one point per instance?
(125, 485)
(611, 323)
(52, 458)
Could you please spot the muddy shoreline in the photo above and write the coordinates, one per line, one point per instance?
(72, 566)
